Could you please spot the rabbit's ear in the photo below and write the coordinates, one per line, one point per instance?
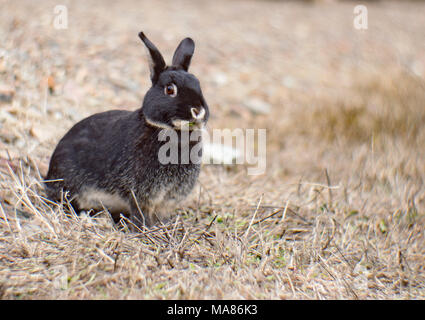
(156, 61)
(184, 53)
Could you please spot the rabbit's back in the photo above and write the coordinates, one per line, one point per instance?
(86, 155)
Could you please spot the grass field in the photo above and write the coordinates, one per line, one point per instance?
(340, 211)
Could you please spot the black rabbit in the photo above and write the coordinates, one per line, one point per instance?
(110, 159)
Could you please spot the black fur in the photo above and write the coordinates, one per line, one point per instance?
(116, 152)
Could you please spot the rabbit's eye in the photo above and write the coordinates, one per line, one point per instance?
(170, 89)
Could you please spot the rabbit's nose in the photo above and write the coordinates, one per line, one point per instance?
(198, 113)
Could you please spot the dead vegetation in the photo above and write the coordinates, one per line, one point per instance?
(382, 107)
(339, 213)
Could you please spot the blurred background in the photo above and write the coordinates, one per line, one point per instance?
(344, 108)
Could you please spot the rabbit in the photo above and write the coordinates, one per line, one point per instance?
(110, 159)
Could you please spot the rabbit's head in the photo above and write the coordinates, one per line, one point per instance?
(175, 99)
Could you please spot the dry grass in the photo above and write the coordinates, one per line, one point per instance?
(382, 107)
(340, 212)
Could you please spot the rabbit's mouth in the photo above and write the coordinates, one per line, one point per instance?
(177, 124)
(190, 125)
(195, 123)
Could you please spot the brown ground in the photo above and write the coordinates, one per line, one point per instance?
(345, 151)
